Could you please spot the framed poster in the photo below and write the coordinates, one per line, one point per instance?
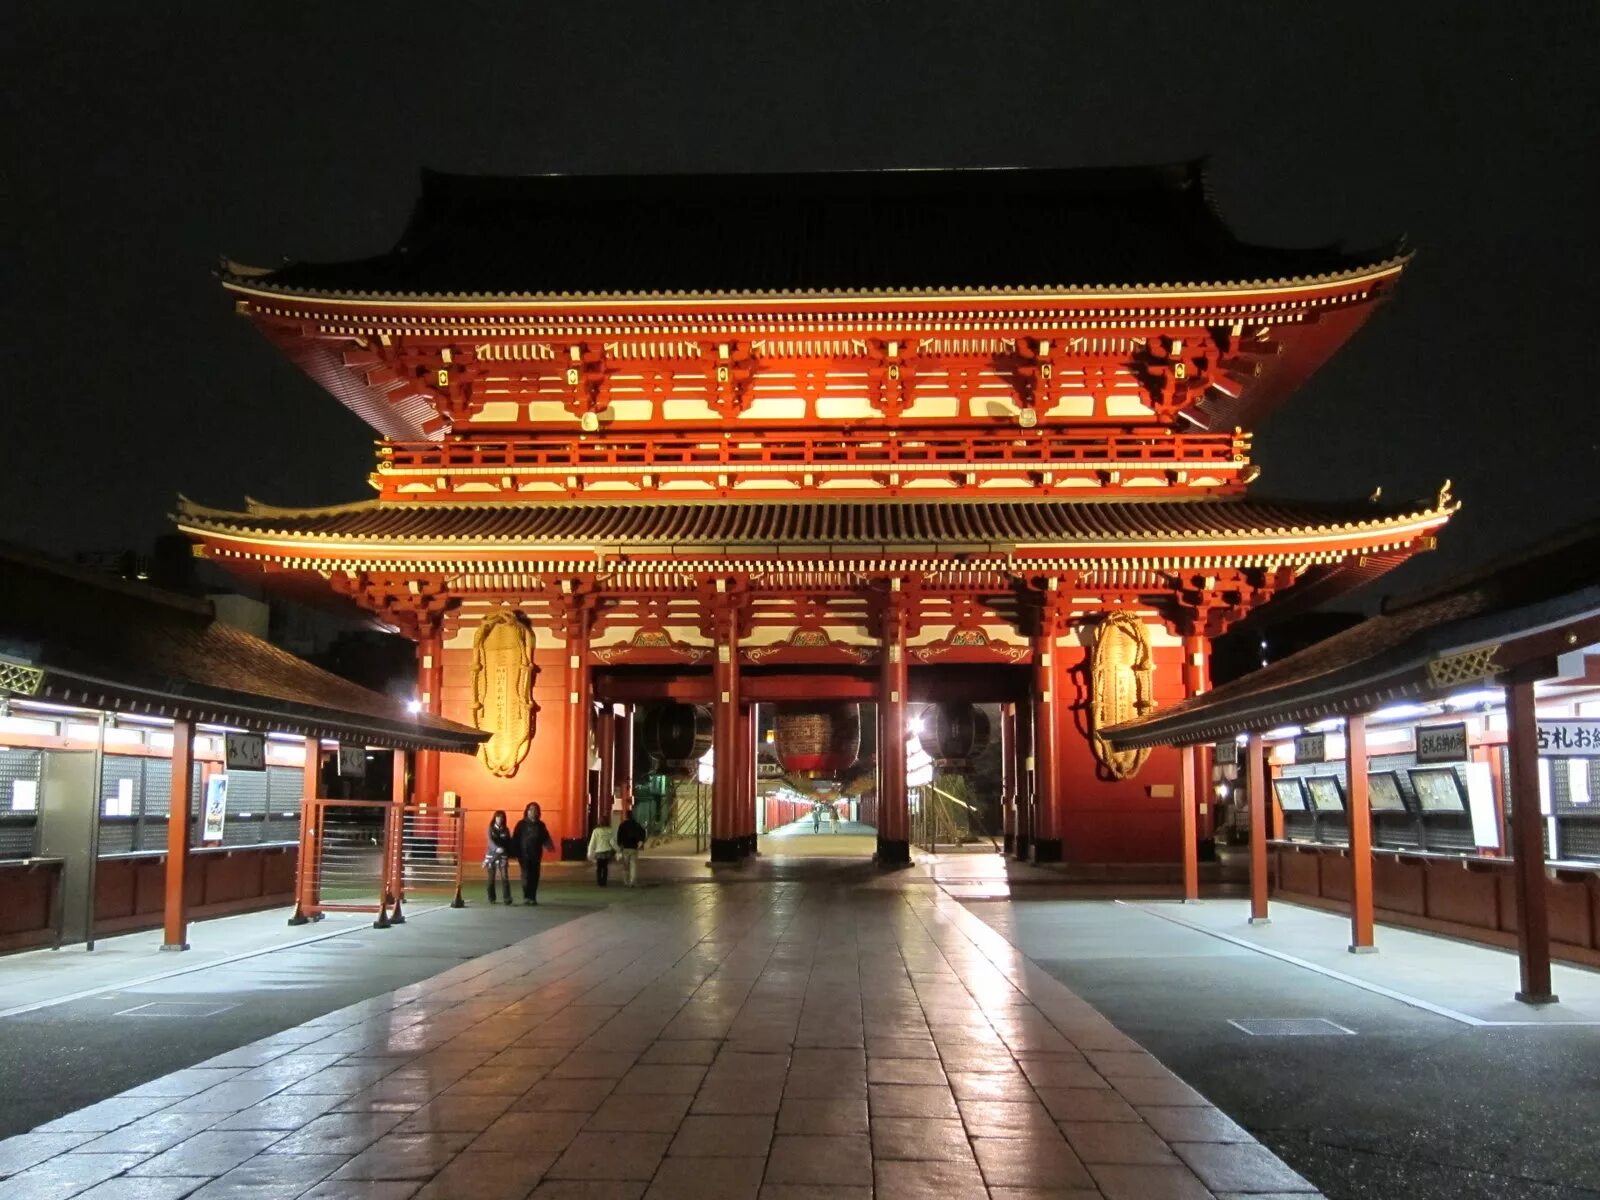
(1327, 795)
(1291, 796)
(215, 814)
(1384, 794)
(1438, 790)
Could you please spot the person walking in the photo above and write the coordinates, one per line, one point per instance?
(602, 849)
(532, 838)
(630, 840)
(816, 817)
(497, 862)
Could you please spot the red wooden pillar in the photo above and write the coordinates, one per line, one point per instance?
(430, 686)
(1008, 776)
(1045, 843)
(1256, 758)
(894, 681)
(1360, 814)
(725, 737)
(305, 869)
(752, 781)
(622, 768)
(175, 925)
(575, 756)
(1188, 815)
(1024, 769)
(1527, 844)
(1196, 682)
(605, 749)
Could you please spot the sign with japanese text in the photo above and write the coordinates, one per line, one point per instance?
(1227, 754)
(1442, 743)
(1570, 737)
(352, 762)
(244, 751)
(1310, 747)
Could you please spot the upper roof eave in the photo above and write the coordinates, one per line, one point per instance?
(257, 281)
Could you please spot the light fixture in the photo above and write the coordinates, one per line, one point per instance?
(1283, 731)
(1474, 698)
(413, 706)
(1400, 712)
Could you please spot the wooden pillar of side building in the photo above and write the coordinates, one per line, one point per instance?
(575, 757)
(1008, 777)
(1256, 783)
(1527, 844)
(726, 750)
(1188, 815)
(894, 815)
(305, 867)
(1359, 811)
(175, 923)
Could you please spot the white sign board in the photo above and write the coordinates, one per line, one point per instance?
(1442, 743)
(244, 751)
(1570, 737)
(24, 795)
(216, 810)
(352, 762)
(1480, 802)
(1310, 747)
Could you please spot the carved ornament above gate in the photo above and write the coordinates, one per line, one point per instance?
(502, 690)
(1119, 688)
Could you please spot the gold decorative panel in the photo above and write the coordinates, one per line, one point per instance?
(502, 690)
(1120, 688)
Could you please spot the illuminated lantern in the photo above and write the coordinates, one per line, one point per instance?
(678, 736)
(818, 740)
(954, 735)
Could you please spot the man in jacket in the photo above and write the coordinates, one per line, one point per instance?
(532, 838)
(630, 840)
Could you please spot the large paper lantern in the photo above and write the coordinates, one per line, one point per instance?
(818, 740)
(678, 736)
(954, 735)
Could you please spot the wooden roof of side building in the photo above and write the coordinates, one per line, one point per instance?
(103, 642)
(482, 237)
(1531, 604)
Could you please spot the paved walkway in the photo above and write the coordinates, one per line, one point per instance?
(843, 1035)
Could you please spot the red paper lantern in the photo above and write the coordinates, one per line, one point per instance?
(818, 740)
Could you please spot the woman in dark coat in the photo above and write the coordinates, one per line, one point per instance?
(532, 839)
(502, 846)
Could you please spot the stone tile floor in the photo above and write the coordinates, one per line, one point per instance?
(782, 1040)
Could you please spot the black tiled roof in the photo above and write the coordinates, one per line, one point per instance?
(863, 524)
(141, 647)
(842, 231)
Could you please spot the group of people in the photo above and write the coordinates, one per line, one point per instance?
(530, 838)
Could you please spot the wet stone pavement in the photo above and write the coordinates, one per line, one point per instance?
(830, 1038)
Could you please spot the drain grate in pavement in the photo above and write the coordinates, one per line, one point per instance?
(175, 1008)
(1291, 1027)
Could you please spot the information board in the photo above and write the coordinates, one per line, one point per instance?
(1442, 743)
(244, 751)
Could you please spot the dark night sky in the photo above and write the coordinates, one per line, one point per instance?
(150, 138)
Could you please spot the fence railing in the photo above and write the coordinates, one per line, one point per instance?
(366, 856)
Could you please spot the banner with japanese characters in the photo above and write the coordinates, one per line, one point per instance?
(1569, 737)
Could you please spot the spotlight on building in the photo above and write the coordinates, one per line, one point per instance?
(413, 707)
